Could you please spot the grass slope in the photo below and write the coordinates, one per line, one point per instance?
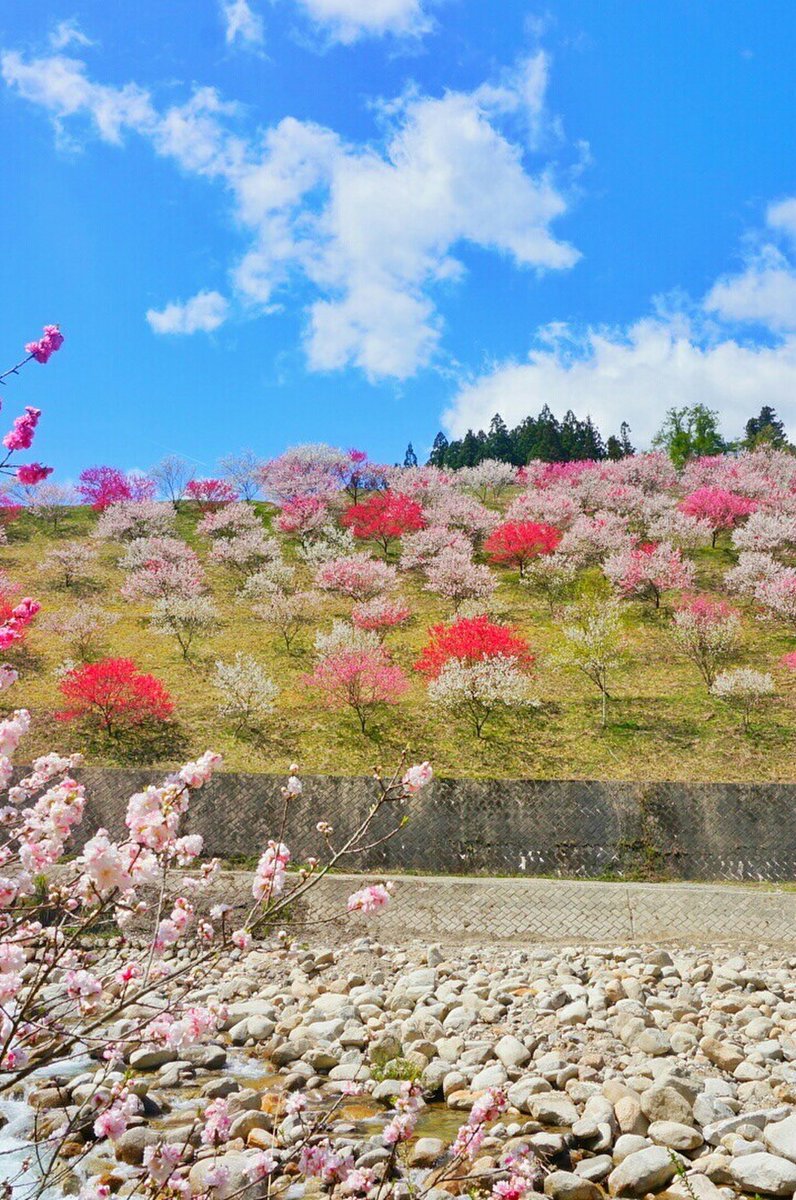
(663, 725)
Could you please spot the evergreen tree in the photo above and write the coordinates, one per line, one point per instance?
(624, 439)
(410, 458)
(499, 443)
(614, 449)
(764, 430)
(438, 451)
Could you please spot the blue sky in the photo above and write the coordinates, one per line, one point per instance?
(261, 222)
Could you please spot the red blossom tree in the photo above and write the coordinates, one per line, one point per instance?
(383, 518)
(114, 694)
(471, 639)
(210, 494)
(516, 543)
(102, 486)
(721, 508)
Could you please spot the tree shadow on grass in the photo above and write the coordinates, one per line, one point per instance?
(139, 745)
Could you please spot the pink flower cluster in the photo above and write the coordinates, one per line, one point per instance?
(370, 899)
(13, 628)
(20, 436)
(51, 340)
(486, 1108)
(29, 474)
(269, 878)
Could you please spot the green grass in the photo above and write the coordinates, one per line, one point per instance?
(662, 723)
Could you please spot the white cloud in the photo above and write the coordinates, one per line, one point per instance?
(242, 23)
(370, 231)
(348, 20)
(69, 33)
(632, 375)
(203, 313)
(764, 292)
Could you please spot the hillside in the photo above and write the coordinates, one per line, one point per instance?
(663, 724)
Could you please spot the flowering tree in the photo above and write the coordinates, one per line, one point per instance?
(210, 494)
(753, 567)
(720, 508)
(383, 518)
(766, 531)
(471, 639)
(552, 506)
(247, 689)
(48, 502)
(551, 576)
(246, 553)
(82, 627)
(70, 563)
(592, 643)
(303, 515)
(185, 618)
(289, 613)
(142, 989)
(23, 430)
(125, 520)
(516, 543)
(357, 576)
(380, 614)
(15, 618)
(649, 570)
(459, 511)
(229, 520)
(362, 680)
(309, 470)
(744, 690)
(777, 595)
(325, 544)
(102, 486)
(115, 695)
(457, 578)
(357, 474)
(418, 549)
(707, 632)
(161, 567)
(490, 478)
(590, 538)
(477, 690)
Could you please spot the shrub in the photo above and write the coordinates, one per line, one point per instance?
(517, 543)
(706, 631)
(362, 680)
(383, 518)
(115, 695)
(248, 691)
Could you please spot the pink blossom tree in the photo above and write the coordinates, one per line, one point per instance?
(722, 509)
(647, 571)
(357, 576)
(456, 577)
(362, 680)
(380, 615)
(707, 633)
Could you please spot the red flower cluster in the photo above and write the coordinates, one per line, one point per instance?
(471, 639)
(516, 543)
(383, 517)
(115, 694)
